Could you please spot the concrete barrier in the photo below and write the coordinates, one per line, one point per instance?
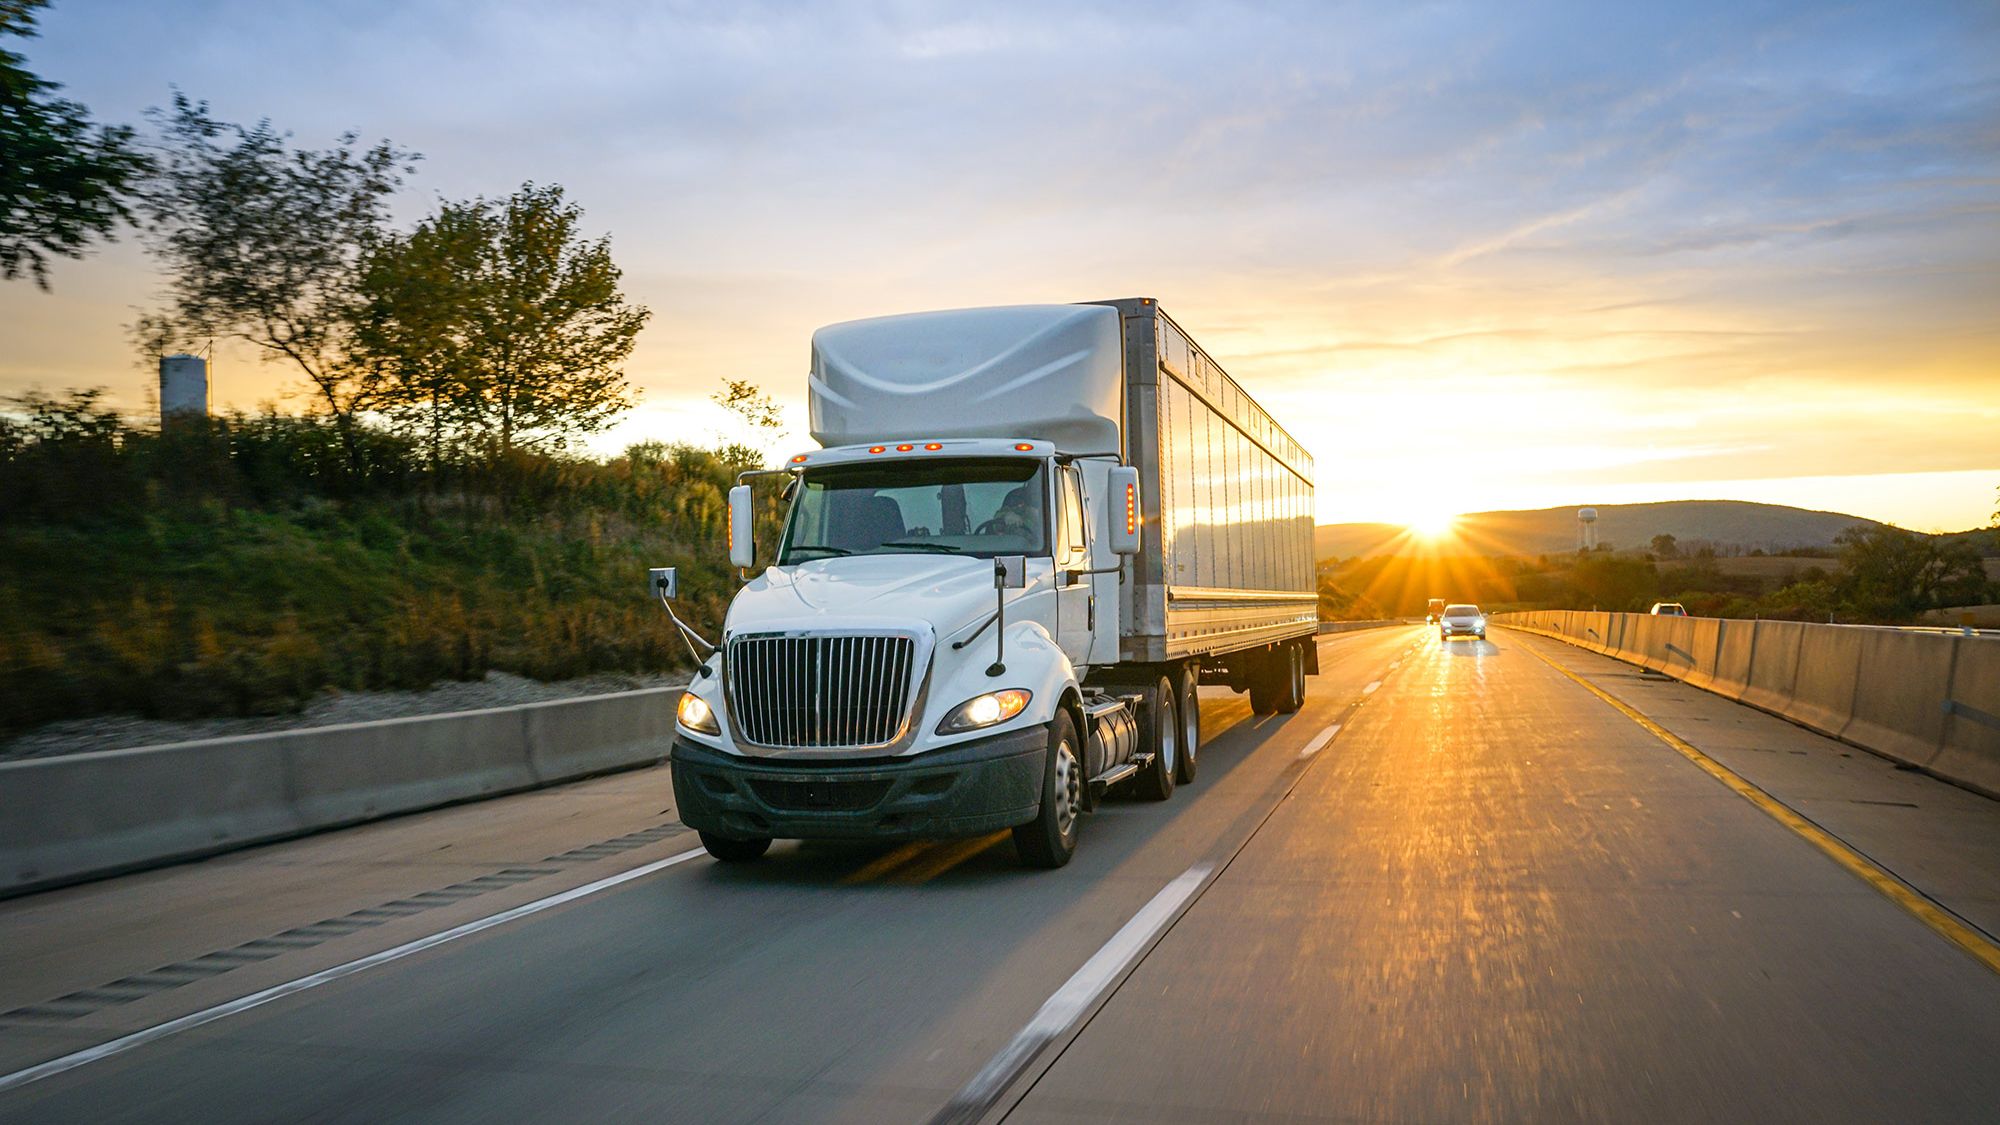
(1733, 643)
(1704, 640)
(63, 819)
(82, 816)
(348, 774)
(1928, 699)
(579, 737)
(1829, 666)
(1901, 694)
(1970, 753)
(1774, 664)
(1326, 627)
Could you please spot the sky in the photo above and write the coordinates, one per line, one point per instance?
(1474, 256)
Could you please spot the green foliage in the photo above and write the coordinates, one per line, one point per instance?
(230, 568)
(497, 324)
(1888, 574)
(1614, 583)
(1338, 604)
(1666, 547)
(63, 181)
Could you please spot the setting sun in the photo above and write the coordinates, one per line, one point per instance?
(1432, 524)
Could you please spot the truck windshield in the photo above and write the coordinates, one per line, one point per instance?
(978, 507)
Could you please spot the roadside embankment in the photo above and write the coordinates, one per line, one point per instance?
(1927, 700)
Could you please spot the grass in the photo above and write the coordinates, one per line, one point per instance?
(242, 589)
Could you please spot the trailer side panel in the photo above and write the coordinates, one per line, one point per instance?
(1226, 562)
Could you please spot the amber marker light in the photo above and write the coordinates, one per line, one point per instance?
(1131, 510)
(905, 447)
(1024, 447)
(799, 459)
(933, 446)
(877, 448)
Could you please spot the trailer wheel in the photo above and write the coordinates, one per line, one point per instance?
(1265, 682)
(1049, 840)
(1187, 712)
(735, 851)
(1293, 666)
(1161, 734)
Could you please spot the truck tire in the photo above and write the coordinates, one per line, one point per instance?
(1265, 671)
(1187, 713)
(1049, 840)
(1161, 735)
(1293, 695)
(735, 851)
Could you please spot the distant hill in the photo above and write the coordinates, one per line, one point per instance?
(1773, 527)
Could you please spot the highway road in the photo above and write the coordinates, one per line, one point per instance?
(1457, 886)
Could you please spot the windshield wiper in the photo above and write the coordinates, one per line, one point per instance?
(922, 545)
(816, 547)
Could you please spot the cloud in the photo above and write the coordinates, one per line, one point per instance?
(1657, 217)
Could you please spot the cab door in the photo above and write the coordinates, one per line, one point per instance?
(1076, 605)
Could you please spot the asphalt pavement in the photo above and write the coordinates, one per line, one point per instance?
(1485, 896)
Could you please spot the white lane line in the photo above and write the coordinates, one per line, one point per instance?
(1319, 741)
(1061, 1011)
(277, 992)
(1370, 689)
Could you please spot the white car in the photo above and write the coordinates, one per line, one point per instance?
(1669, 609)
(1461, 621)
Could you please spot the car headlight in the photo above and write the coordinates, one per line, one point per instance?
(985, 710)
(695, 714)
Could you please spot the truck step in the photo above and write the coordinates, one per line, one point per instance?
(1097, 706)
(1115, 774)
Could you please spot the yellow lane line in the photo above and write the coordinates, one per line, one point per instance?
(1941, 921)
(885, 864)
(946, 858)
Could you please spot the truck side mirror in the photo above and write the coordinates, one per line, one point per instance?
(1124, 515)
(663, 583)
(742, 516)
(1010, 572)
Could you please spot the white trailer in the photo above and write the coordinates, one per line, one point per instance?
(1029, 534)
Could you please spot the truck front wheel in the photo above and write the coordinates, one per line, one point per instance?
(735, 851)
(1049, 840)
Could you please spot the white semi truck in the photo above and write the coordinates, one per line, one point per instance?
(1031, 532)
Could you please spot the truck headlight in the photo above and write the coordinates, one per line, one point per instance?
(695, 714)
(985, 710)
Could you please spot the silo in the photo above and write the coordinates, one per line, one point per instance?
(1586, 529)
(183, 386)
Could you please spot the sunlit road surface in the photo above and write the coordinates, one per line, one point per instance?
(1488, 896)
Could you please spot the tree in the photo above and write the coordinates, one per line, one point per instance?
(1889, 574)
(267, 244)
(499, 321)
(63, 181)
(758, 410)
(1666, 547)
(1615, 584)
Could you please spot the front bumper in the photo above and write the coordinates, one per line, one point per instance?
(965, 790)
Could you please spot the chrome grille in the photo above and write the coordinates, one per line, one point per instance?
(820, 691)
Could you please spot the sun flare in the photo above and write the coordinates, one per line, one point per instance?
(1432, 524)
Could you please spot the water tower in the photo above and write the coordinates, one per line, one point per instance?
(183, 387)
(1586, 529)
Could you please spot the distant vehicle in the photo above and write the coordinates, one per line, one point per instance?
(1669, 609)
(1461, 621)
(1434, 611)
